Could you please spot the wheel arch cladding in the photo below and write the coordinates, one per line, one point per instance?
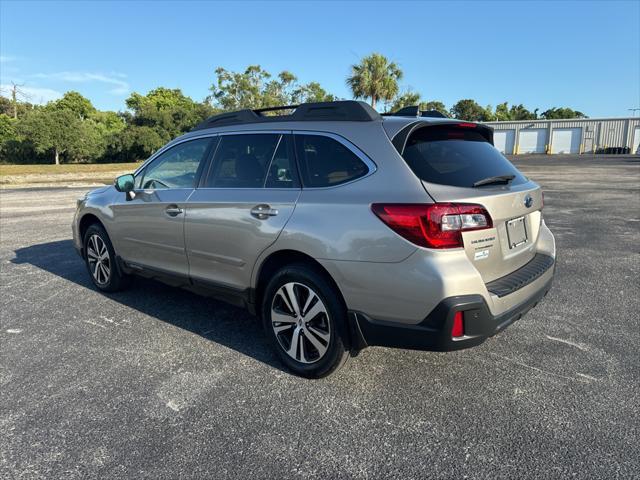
(86, 221)
(277, 260)
(282, 258)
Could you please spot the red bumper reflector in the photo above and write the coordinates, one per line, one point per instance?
(457, 330)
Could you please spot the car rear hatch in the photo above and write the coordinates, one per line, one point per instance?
(457, 163)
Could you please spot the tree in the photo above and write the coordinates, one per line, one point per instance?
(520, 112)
(6, 106)
(11, 107)
(21, 108)
(109, 123)
(375, 77)
(7, 128)
(502, 112)
(278, 92)
(52, 131)
(407, 99)
(76, 103)
(167, 111)
(7, 132)
(90, 138)
(312, 92)
(436, 105)
(470, 110)
(561, 113)
(159, 99)
(153, 120)
(133, 143)
(70, 126)
(92, 142)
(517, 112)
(488, 115)
(71, 129)
(411, 98)
(237, 91)
(255, 89)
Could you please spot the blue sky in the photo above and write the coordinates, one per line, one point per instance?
(585, 55)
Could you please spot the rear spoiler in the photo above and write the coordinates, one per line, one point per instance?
(400, 139)
(414, 111)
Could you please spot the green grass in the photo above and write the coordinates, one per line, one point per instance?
(66, 168)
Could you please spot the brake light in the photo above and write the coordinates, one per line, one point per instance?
(457, 329)
(456, 134)
(436, 225)
(468, 125)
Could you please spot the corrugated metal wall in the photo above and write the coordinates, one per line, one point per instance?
(597, 135)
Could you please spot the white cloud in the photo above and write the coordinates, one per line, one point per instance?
(121, 87)
(33, 94)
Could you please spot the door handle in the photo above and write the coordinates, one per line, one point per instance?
(173, 210)
(263, 212)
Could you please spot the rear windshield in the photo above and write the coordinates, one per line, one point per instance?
(455, 156)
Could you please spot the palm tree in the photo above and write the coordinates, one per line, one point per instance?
(375, 77)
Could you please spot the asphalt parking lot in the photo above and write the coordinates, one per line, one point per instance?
(160, 383)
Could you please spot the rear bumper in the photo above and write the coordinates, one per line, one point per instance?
(434, 332)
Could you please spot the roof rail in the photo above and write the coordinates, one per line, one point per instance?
(274, 109)
(345, 110)
(414, 111)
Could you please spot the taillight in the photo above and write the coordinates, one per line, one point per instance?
(436, 225)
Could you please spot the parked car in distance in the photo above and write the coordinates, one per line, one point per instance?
(340, 228)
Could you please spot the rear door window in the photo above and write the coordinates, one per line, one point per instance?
(456, 156)
(282, 172)
(252, 161)
(325, 162)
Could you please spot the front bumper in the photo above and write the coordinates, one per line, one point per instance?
(434, 332)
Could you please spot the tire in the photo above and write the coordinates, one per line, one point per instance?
(107, 275)
(319, 331)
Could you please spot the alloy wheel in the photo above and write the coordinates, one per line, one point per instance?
(300, 322)
(98, 258)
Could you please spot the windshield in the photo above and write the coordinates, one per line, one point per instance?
(456, 156)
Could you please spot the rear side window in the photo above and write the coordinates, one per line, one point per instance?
(252, 161)
(455, 156)
(325, 162)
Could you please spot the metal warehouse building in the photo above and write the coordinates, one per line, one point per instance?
(589, 135)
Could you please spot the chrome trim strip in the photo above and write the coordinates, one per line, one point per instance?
(342, 140)
(254, 132)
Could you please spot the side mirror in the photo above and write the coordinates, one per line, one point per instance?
(125, 183)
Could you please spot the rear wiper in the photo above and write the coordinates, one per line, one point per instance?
(494, 180)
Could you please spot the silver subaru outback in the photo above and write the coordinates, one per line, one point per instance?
(338, 227)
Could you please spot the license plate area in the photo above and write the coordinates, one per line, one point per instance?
(516, 232)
